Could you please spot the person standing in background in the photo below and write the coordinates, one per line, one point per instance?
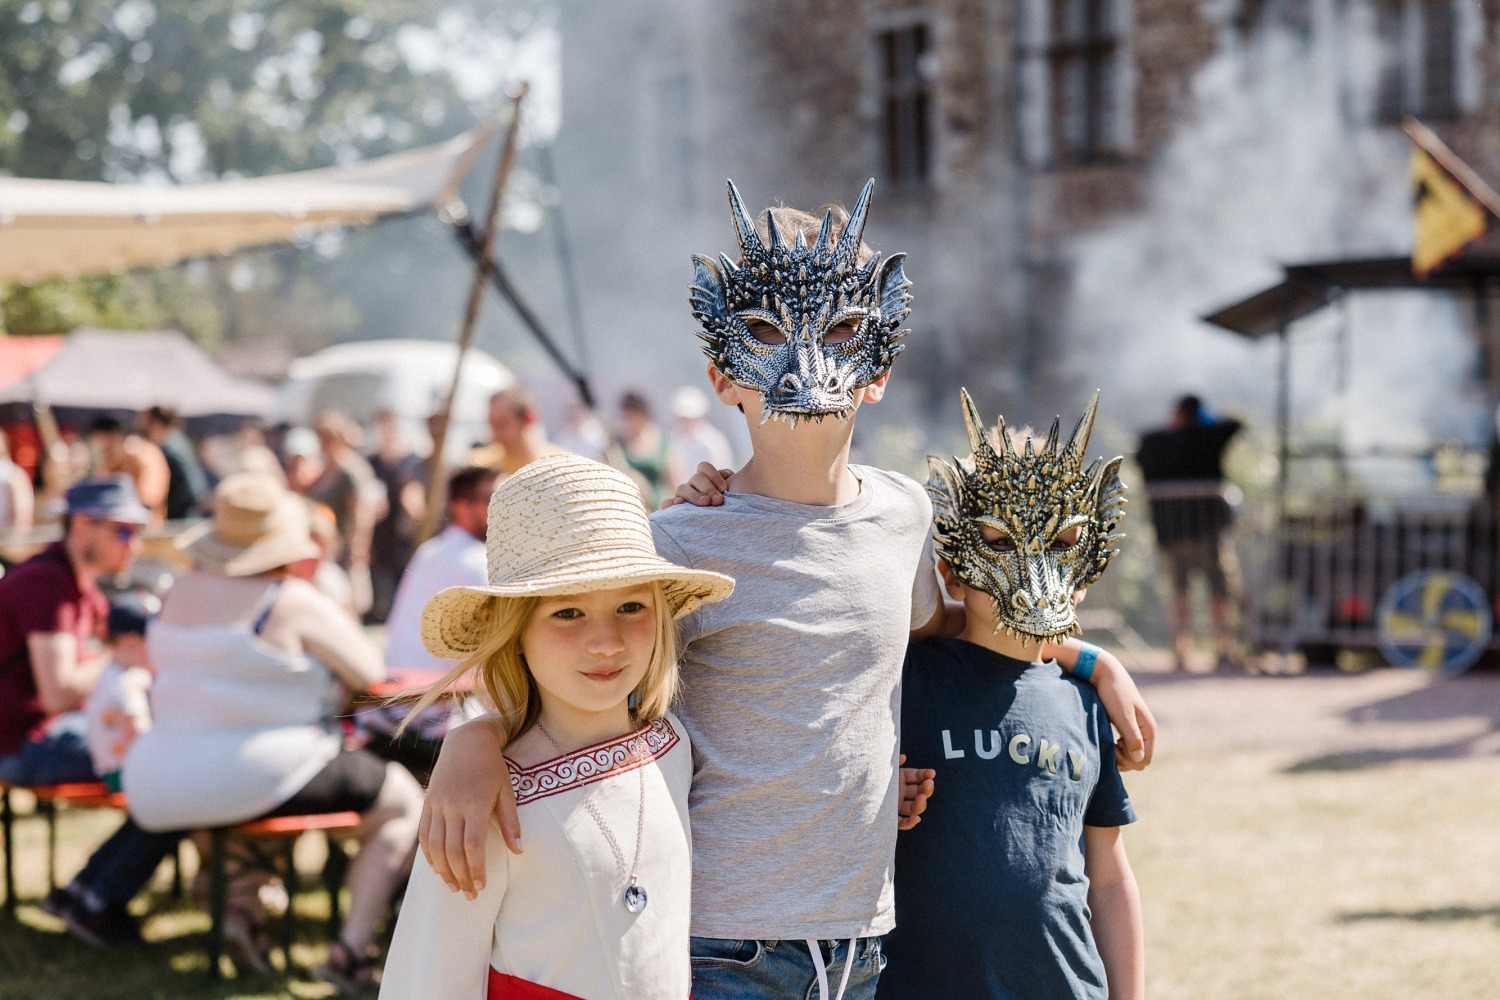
(187, 483)
(1183, 465)
(648, 449)
(349, 488)
(116, 450)
(17, 499)
(694, 439)
(394, 535)
(517, 436)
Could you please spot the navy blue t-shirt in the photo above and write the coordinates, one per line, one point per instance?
(991, 896)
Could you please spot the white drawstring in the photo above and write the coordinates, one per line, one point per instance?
(816, 951)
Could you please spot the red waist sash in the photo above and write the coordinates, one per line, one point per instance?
(503, 987)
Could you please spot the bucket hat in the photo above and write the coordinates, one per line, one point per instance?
(562, 525)
(107, 498)
(257, 525)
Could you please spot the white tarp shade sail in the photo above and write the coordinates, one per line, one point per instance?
(132, 370)
(65, 229)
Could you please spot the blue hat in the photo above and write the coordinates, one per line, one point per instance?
(108, 498)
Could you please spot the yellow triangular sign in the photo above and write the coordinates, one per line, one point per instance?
(1445, 217)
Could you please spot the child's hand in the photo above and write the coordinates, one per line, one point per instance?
(916, 789)
(1127, 711)
(705, 489)
(470, 783)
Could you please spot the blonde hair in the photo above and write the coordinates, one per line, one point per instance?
(500, 671)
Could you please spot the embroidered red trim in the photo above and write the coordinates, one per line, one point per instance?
(594, 763)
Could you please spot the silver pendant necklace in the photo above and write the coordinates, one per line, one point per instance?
(635, 894)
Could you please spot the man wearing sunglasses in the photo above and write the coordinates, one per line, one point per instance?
(52, 615)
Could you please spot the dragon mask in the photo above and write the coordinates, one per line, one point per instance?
(1051, 522)
(804, 326)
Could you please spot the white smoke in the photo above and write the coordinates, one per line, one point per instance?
(1271, 167)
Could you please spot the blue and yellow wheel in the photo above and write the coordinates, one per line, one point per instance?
(1434, 619)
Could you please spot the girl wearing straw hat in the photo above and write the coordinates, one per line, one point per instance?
(572, 641)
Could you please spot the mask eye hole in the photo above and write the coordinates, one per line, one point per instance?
(996, 540)
(842, 333)
(1066, 540)
(765, 332)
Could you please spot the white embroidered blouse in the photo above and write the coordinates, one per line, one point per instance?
(555, 915)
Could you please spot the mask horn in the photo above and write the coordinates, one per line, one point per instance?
(743, 224)
(1079, 442)
(854, 229)
(979, 444)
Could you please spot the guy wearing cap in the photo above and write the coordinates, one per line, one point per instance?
(51, 617)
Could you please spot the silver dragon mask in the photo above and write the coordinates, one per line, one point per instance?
(1052, 522)
(827, 326)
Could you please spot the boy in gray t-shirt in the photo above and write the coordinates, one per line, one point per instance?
(791, 687)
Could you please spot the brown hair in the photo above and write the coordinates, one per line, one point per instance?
(790, 221)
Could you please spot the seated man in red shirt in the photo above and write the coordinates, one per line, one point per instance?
(52, 616)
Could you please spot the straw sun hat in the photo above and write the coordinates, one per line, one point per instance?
(258, 525)
(562, 525)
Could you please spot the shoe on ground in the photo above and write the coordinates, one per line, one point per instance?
(346, 972)
(59, 901)
(112, 927)
(247, 943)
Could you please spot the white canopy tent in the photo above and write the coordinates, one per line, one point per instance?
(65, 229)
(135, 369)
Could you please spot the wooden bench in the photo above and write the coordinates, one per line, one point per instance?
(77, 795)
(281, 862)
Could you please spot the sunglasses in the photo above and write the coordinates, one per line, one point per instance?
(126, 532)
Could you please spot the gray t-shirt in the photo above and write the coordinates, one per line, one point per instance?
(791, 694)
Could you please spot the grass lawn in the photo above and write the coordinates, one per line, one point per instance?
(1263, 880)
(1362, 863)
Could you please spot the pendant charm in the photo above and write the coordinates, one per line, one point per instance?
(635, 897)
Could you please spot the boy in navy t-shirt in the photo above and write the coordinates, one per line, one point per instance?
(1016, 883)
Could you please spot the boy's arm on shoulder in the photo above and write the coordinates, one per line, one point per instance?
(470, 783)
(1127, 709)
(1115, 905)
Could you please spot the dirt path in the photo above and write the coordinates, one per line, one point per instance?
(1329, 719)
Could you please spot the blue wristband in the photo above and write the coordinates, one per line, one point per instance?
(1088, 655)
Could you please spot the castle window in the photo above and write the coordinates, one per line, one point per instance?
(906, 104)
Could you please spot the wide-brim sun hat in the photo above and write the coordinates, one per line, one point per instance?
(562, 525)
(258, 525)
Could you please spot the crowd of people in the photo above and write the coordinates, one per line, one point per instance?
(237, 706)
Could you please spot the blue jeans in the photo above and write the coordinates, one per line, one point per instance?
(781, 970)
(60, 757)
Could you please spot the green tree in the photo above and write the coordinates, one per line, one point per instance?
(188, 90)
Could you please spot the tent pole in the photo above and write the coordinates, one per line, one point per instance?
(471, 316)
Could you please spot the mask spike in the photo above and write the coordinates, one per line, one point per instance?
(825, 233)
(744, 226)
(1006, 448)
(777, 243)
(1052, 436)
(799, 241)
(1079, 442)
(854, 229)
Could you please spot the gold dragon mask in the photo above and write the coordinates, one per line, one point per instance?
(1027, 527)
